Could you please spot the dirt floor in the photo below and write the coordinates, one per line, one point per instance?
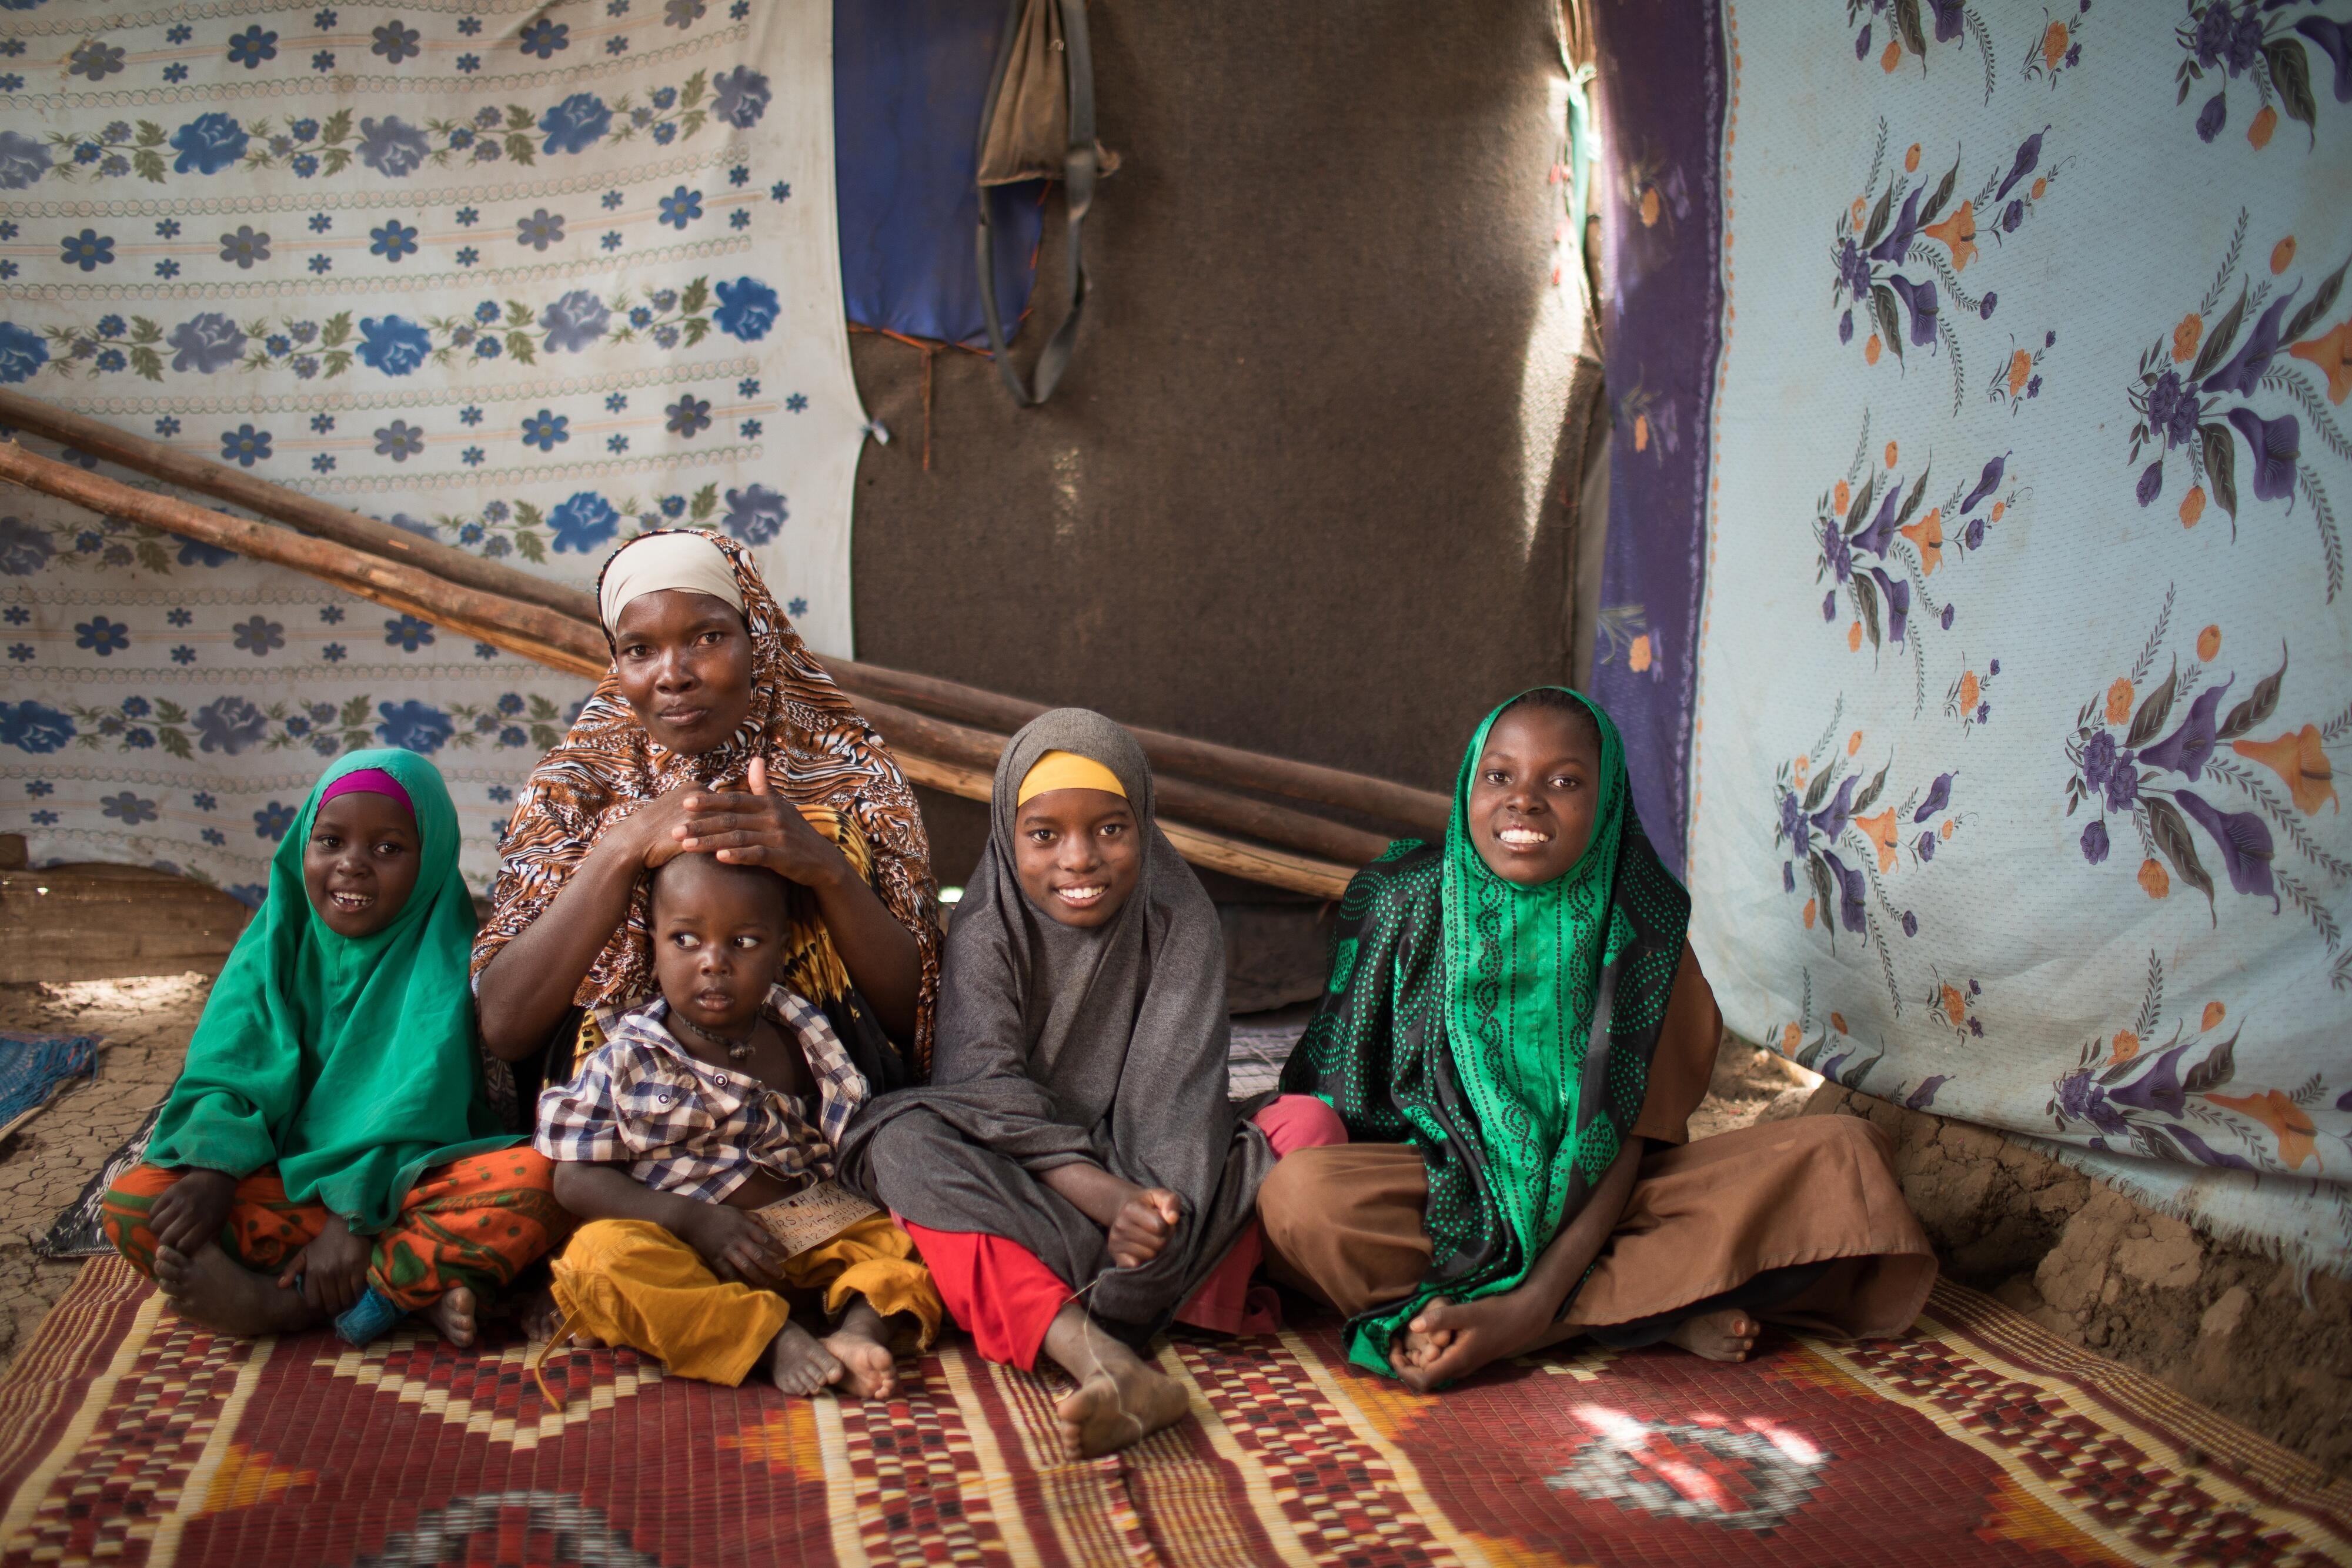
(2224, 1325)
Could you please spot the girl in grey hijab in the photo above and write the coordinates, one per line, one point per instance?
(1075, 1173)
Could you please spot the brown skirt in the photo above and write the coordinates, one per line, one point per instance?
(1343, 1223)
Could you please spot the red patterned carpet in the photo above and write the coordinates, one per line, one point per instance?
(129, 1436)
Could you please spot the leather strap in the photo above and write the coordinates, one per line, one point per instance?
(1080, 169)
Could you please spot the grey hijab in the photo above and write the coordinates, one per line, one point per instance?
(1056, 1044)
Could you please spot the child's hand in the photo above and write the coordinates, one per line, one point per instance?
(1143, 1227)
(192, 1210)
(735, 1246)
(332, 1269)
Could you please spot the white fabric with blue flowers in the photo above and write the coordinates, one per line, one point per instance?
(521, 278)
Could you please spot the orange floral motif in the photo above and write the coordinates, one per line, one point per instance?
(1870, 351)
(2119, 701)
(1811, 906)
(1843, 496)
(2332, 356)
(1947, 831)
(2258, 132)
(2154, 880)
(1638, 656)
(1890, 454)
(2281, 255)
(2300, 764)
(2040, 187)
(1789, 1036)
(1958, 234)
(1955, 1006)
(1911, 159)
(2053, 48)
(2125, 1046)
(1997, 508)
(2020, 371)
(1640, 433)
(1854, 638)
(2209, 642)
(2185, 337)
(1650, 207)
(1926, 537)
(1857, 214)
(1971, 689)
(2214, 1013)
(1853, 743)
(2192, 506)
(1837, 1023)
(1804, 766)
(1893, 56)
(1880, 831)
(2282, 1116)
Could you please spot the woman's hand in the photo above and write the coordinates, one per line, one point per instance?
(735, 1246)
(332, 1269)
(192, 1210)
(1142, 1226)
(759, 828)
(1449, 1340)
(655, 828)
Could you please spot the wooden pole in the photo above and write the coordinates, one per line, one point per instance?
(979, 749)
(559, 642)
(1423, 810)
(329, 521)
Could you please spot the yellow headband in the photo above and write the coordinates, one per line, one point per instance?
(1067, 770)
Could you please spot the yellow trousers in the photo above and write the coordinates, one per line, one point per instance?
(630, 1282)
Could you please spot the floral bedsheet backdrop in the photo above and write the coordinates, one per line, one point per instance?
(523, 278)
(1977, 594)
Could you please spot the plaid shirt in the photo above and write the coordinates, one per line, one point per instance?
(684, 1125)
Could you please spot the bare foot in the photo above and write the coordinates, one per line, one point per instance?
(799, 1363)
(1120, 1399)
(1726, 1335)
(452, 1316)
(217, 1291)
(1417, 1348)
(862, 1345)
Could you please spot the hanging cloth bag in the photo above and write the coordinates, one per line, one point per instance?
(1039, 124)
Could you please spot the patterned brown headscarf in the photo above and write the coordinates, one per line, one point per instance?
(820, 755)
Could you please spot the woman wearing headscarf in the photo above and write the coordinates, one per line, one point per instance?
(328, 1150)
(1076, 1140)
(1516, 1033)
(716, 731)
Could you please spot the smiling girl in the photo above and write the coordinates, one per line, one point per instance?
(1076, 1141)
(1516, 1033)
(328, 1152)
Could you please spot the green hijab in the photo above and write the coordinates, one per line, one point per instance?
(1504, 1031)
(348, 1064)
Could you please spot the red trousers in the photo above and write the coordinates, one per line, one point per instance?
(1006, 1298)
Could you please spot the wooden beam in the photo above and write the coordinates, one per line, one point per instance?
(312, 516)
(1423, 810)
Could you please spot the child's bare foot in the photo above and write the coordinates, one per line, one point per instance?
(1726, 1335)
(1417, 1348)
(862, 1345)
(217, 1291)
(1120, 1399)
(452, 1316)
(799, 1363)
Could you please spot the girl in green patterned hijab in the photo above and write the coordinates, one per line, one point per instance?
(1494, 1001)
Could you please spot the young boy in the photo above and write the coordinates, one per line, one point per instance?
(719, 1101)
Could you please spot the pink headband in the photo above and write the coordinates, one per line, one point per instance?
(370, 781)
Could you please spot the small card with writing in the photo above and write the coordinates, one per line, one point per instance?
(813, 1216)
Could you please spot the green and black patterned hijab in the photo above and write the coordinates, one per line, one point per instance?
(1506, 1031)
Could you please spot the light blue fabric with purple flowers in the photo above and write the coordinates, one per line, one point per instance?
(523, 279)
(2023, 669)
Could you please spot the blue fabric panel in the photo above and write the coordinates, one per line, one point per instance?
(909, 78)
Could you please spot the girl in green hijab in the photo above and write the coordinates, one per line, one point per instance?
(1516, 1033)
(328, 1152)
